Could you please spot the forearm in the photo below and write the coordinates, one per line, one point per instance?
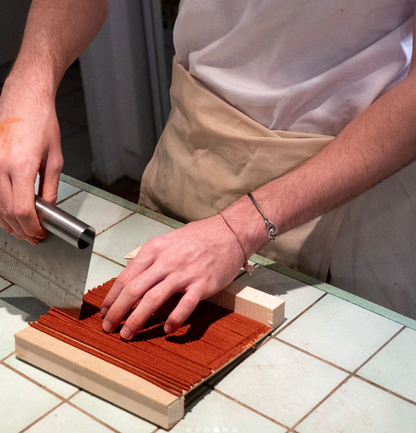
(56, 33)
(379, 142)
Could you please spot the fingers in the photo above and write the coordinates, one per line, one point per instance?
(183, 310)
(5, 209)
(150, 302)
(125, 293)
(152, 288)
(17, 212)
(49, 178)
(138, 266)
(24, 208)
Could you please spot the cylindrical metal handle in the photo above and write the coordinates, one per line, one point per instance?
(64, 225)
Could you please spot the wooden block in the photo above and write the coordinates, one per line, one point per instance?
(252, 303)
(99, 377)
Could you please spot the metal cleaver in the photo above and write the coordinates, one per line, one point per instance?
(55, 270)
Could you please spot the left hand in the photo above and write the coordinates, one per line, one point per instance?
(196, 260)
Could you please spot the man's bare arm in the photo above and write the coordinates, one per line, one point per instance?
(55, 35)
(202, 257)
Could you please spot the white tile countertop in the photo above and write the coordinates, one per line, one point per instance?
(337, 364)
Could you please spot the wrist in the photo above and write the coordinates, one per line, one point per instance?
(247, 224)
(32, 81)
(21, 96)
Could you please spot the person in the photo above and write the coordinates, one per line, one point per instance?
(258, 85)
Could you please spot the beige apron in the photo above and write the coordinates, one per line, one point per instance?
(210, 154)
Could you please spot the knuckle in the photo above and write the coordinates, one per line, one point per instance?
(153, 296)
(123, 279)
(58, 164)
(134, 322)
(131, 289)
(6, 214)
(22, 211)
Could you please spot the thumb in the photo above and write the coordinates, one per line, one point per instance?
(49, 179)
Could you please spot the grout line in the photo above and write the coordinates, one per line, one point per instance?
(118, 222)
(381, 388)
(7, 287)
(322, 401)
(67, 198)
(378, 350)
(80, 409)
(42, 417)
(251, 409)
(39, 385)
(313, 356)
(278, 331)
(109, 259)
(6, 357)
(352, 374)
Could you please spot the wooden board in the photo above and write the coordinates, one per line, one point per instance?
(99, 377)
(122, 387)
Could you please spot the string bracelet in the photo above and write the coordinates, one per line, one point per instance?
(271, 227)
(248, 268)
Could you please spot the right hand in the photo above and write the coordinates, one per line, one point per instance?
(29, 144)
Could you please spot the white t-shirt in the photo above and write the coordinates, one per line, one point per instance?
(299, 65)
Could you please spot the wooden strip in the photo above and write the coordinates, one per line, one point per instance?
(99, 377)
(254, 304)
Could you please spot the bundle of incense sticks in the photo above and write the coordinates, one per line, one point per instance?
(209, 339)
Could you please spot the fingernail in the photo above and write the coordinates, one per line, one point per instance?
(104, 311)
(107, 326)
(167, 328)
(125, 333)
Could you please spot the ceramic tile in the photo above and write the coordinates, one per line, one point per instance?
(359, 407)
(128, 235)
(21, 401)
(64, 190)
(340, 332)
(67, 419)
(17, 308)
(281, 382)
(117, 418)
(297, 296)
(52, 383)
(216, 413)
(101, 270)
(95, 211)
(394, 367)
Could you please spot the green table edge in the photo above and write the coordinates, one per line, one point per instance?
(259, 260)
